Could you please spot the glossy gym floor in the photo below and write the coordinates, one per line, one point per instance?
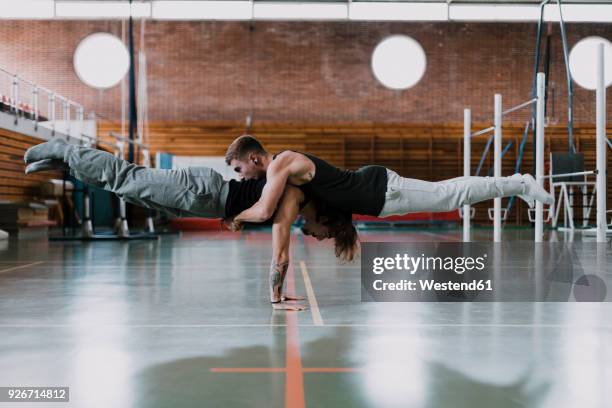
(184, 321)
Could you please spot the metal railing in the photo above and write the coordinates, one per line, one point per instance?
(26, 100)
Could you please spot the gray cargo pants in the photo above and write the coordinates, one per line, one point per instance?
(193, 191)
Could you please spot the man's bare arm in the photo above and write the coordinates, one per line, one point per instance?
(276, 178)
(281, 239)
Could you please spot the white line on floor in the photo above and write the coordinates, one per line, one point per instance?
(314, 306)
(356, 325)
(14, 268)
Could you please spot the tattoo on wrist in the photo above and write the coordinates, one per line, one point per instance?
(278, 271)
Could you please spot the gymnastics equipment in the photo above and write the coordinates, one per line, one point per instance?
(497, 214)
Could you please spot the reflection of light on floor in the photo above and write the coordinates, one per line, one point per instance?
(101, 377)
(394, 367)
(101, 367)
(477, 348)
(394, 373)
(585, 380)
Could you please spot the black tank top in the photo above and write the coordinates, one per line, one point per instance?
(358, 192)
(244, 194)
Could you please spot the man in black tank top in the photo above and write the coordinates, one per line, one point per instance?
(195, 192)
(371, 190)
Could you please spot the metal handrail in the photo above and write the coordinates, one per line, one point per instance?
(483, 131)
(522, 105)
(32, 102)
(510, 110)
(127, 140)
(578, 173)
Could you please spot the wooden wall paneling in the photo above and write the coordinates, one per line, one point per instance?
(14, 184)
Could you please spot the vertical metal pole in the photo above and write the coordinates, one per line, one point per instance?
(121, 227)
(536, 67)
(52, 112)
(497, 166)
(87, 227)
(467, 157)
(91, 117)
(79, 122)
(570, 86)
(146, 161)
(67, 117)
(539, 173)
(15, 96)
(539, 165)
(35, 105)
(601, 146)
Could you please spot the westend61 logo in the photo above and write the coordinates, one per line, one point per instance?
(519, 271)
(422, 264)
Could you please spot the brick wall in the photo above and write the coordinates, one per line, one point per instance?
(304, 72)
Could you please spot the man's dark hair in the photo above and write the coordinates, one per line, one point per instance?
(341, 229)
(241, 147)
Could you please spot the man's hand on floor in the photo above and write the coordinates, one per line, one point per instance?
(292, 297)
(232, 225)
(288, 306)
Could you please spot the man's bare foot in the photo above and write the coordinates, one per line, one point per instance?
(293, 297)
(288, 306)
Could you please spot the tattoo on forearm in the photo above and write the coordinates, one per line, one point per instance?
(278, 271)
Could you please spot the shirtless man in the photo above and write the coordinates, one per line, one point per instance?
(195, 191)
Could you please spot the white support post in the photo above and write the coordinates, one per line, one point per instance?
(79, 124)
(601, 146)
(497, 167)
(91, 117)
(51, 109)
(67, 117)
(15, 96)
(149, 224)
(467, 155)
(539, 210)
(146, 157)
(35, 104)
(121, 225)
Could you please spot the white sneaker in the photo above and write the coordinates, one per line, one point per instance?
(533, 190)
(525, 197)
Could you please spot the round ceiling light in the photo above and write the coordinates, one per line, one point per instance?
(399, 62)
(101, 60)
(583, 62)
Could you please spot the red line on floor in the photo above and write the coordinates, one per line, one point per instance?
(294, 380)
(283, 369)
